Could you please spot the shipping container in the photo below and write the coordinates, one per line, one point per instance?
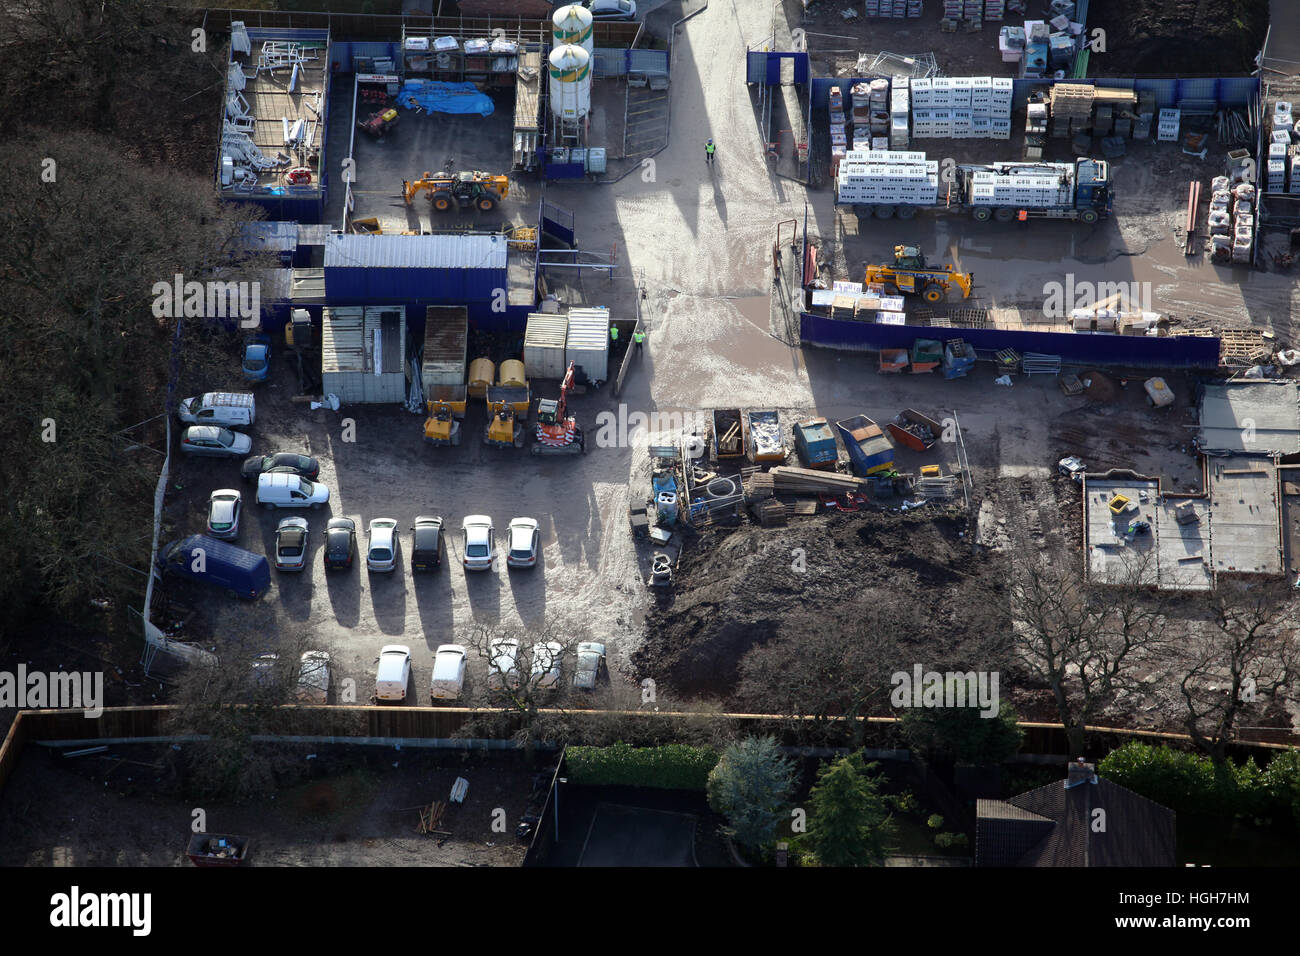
(587, 343)
(448, 268)
(442, 370)
(869, 450)
(363, 354)
(544, 345)
(815, 442)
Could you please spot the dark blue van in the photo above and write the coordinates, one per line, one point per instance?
(241, 572)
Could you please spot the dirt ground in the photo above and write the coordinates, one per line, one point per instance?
(356, 807)
(1178, 36)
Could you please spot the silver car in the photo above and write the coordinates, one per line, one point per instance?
(478, 540)
(224, 508)
(381, 548)
(522, 538)
(291, 544)
(215, 441)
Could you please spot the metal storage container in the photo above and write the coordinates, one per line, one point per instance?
(445, 333)
(363, 354)
(587, 344)
(544, 341)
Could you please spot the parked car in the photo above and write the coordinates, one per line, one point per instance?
(381, 544)
(216, 562)
(448, 672)
(291, 544)
(547, 658)
(393, 673)
(612, 9)
(591, 665)
(228, 409)
(340, 543)
(290, 491)
(426, 543)
(263, 670)
(257, 358)
(283, 462)
(522, 538)
(479, 540)
(215, 441)
(224, 507)
(314, 677)
(503, 664)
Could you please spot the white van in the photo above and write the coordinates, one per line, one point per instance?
(448, 672)
(290, 491)
(228, 409)
(393, 673)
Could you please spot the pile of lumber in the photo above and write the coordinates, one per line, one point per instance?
(770, 513)
(431, 817)
(806, 481)
(729, 440)
(759, 485)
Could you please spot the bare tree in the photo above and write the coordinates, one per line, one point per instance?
(1085, 641)
(1245, 652)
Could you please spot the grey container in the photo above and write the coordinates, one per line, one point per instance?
(544, 339)
(588, 342)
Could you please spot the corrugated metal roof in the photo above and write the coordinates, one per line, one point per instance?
(546, 330)
(415, 252)
(348, 339)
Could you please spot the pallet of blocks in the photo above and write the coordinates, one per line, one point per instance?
(1071, 108)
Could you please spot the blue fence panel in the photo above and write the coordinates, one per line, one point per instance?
(564, 170)
(1201, 88)
(1187, 351)
(1238, 90)
(755, 66)
(609, 62)
(654, 62)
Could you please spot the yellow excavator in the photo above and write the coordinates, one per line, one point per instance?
(909, 274)
(470, 189)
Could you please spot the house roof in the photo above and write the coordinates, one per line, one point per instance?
(1091, 824)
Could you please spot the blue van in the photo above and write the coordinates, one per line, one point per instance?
(243, 573)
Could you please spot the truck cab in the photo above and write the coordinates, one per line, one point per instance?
(1094, 187)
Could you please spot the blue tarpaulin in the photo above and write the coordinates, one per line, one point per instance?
(436, 97)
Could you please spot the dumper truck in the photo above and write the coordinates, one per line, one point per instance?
(730, 433)
(814, 440)
(442, 371)
(765, 443)
(914, 430)
(884, 184)
(870, 450)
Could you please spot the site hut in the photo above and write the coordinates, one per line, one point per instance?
(363, 354)
(275, 119)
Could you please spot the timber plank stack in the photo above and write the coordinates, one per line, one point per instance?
(806, 481)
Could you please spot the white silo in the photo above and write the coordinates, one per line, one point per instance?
(571, 24)
(570, 87)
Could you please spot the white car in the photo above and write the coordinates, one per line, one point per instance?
(314, 677)
(478, 539)
(393, 673)
(522, 538)
(591, 665)
(224, 507)
(448, 672)
(381, 544)
(546, 664)
(503, 664)
(291, 544)
(290, 491)
(612, 9)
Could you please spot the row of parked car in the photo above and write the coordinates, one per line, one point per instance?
(447, 681)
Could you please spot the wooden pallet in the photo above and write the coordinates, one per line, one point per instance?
(1243, 347)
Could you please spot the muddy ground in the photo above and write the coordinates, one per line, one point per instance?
(354, 807)
(1186, 37)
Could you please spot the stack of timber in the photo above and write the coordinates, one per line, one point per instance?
(806, 481)
(759, 485)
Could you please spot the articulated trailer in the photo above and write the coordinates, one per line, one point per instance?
(885, 185)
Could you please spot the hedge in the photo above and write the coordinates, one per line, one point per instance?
(670, 767)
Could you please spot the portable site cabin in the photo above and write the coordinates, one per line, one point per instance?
(363, 354)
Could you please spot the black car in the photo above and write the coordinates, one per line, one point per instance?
(285, 462)
(426, 551)
(340, 543)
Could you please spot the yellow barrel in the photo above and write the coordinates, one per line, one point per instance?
(480, 376)
(511, 372)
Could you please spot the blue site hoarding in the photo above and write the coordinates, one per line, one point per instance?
(1130, 351)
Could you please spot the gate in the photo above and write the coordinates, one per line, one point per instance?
(765, 67)
(557, 222)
